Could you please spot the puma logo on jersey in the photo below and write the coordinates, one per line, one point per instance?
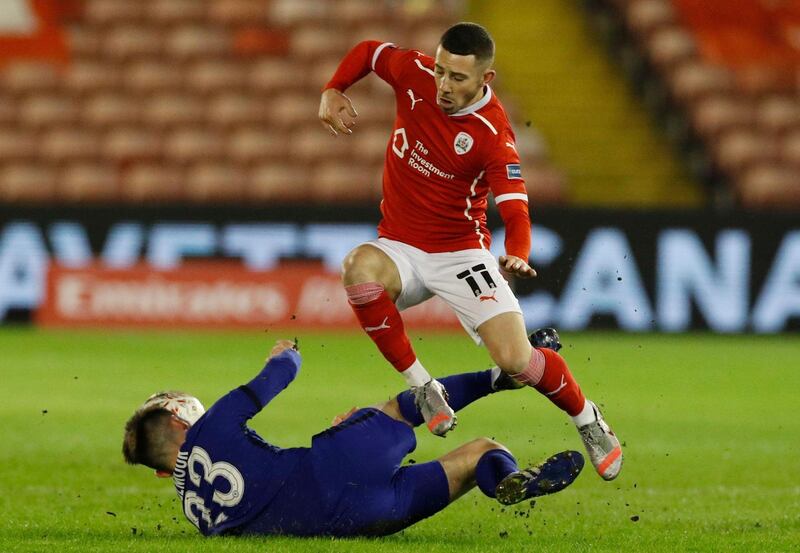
(379, 327)
(487, 298)
(413, 100)
(511, 145)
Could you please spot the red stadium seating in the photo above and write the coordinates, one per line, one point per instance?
(248, 145)
(147, 76)
(113, 11)
(190, 42)
(127, 41)
(86, 181)
(172, 108)
(720, 114)
(39, 111)
(646, 17)
(338, 180)
(280, 181)
(124, 144)
(24, 78)
(62, 144)
(187, 100)
(148, 182)
(109, 109)
(174, 12)
(214, 75)
(290, 13)
(16, 144)
(88, 75)
(215, 182)
(733, 67)
(29, 181)
(232, 13)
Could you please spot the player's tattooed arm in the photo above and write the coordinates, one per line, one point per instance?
(516, 266)
(336, 112)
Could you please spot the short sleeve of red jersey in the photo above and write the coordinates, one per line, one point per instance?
(504, 176)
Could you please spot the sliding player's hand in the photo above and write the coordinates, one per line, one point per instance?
(336, 112)
(281, 346)
(516, 266)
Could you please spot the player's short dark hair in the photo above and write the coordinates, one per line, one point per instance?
(147, 439)
(466, 39)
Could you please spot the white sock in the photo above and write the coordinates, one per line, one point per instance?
(416, 375)
(586, 416)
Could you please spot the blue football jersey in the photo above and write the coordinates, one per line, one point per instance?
(226, 474)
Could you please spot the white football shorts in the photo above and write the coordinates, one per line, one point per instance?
(469, 281)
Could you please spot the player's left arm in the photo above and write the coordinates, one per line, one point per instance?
(518, 239)
(504, 175)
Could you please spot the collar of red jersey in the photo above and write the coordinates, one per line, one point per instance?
(472, 108)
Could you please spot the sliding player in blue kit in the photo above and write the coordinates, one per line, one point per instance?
(348, 483)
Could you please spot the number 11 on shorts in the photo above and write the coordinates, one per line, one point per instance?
(469, 277)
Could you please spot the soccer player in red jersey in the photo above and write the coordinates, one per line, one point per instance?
(451, 145)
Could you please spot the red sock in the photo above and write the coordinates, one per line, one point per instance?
(381, 320)
(549, 374)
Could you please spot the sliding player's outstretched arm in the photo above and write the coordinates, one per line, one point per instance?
(243, 403)
(282, 367)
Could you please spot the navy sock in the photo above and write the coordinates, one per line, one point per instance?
(492, 467)
(462, 389)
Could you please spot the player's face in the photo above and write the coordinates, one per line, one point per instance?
(459, 80)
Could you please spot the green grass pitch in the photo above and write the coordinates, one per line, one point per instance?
(709, 423)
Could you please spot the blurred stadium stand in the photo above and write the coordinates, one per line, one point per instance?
(723, 77)
(597, 130)
(205, 101)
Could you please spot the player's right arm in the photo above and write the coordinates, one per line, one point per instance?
(243, 403)
(281, 369)
(336, 111)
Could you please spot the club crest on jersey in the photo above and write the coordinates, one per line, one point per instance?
(463, 143)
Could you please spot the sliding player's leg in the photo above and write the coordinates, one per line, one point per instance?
(420, 490)
(460, 389)
(374, 281)
(491, 467)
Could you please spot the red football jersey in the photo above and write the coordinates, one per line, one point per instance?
(440, 168)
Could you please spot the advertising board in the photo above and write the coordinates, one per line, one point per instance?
(637, 271)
